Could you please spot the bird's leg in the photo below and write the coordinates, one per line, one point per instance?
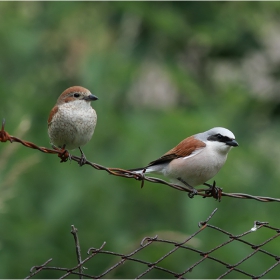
(55, 147)
(193, 190)
(83, 159)
(209, 185)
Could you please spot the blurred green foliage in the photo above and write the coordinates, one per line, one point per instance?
(162, 71)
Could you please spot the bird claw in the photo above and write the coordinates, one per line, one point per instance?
(83, 158)
(192, 192)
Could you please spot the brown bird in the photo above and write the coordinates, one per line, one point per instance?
(72, 120)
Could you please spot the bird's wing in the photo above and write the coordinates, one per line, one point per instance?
(52, 113)
(188, 147)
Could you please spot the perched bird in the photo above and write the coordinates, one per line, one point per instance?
(196, 159)
(72, 120)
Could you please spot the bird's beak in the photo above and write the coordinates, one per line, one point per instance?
(90, 97)
(232, 143)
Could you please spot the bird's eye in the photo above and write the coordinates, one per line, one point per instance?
(219, 136)
(76, 95)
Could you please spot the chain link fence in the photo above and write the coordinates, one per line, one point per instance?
(195, 260)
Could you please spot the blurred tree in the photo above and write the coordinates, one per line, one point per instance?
(162, 71)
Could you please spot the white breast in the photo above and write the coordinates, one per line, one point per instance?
(197, 169)
(73, 124)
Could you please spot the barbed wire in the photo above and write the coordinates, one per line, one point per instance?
(210, 191)
(158, 265)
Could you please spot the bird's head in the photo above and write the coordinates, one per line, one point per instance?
(76, 94)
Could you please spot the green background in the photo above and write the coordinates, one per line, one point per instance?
(162, 71)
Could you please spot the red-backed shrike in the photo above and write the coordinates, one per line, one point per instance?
(196, 159)
(72, 120)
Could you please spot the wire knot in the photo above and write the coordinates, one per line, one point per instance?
(214, 191)
(63, 154)
(4, 136)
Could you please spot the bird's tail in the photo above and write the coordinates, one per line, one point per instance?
(139, 170)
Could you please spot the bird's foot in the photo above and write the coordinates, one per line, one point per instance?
(213, 190)
(83, 158)
(192, 192)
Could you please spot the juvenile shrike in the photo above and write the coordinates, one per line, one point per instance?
(196, 159)
(72, 120)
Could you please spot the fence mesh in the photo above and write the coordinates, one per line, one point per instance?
(194, 259)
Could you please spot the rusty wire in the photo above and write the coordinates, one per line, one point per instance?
(253, 249)
(210, 191)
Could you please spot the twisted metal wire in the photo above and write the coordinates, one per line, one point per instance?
(210, 191)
